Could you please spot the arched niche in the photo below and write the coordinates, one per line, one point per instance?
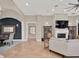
(13, 21)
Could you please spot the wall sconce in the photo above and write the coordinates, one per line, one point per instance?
(47, 24)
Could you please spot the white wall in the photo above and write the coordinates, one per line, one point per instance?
(40, 21)
(13, 14)
(56, 30)
(72, 20)
(9, 9)
(44, 21)
(77, 21)
(9, 4)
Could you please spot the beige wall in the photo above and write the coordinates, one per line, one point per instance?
(9, 9)
(9, 4)
(72, 20)
(41, 21)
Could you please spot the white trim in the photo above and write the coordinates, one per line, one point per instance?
(27, 28)
(65, 31)
(77, 25)
(22, 23)
(23, 33)
(17, 39)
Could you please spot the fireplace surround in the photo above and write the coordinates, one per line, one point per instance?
(61, 35)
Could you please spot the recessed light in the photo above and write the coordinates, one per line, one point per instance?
(61, 0)
(47, 23)
(53, 9)
(64, 10)
(27, 4)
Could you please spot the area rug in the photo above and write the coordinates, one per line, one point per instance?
(7, 47)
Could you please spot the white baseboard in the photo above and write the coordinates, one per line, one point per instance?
(19, 40)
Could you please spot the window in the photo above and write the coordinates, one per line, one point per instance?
(8, 29)
(32, 30)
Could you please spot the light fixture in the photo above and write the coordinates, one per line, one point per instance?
(47, 24)
(74, 6)
(64, 10)
(61, 0)
(53, 9)
(27, 4)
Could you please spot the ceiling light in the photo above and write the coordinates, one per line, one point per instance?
(27, 4)
(64, 10)
(61, 0)
(47, 24)
(53, 9)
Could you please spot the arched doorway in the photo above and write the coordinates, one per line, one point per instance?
(13, 21)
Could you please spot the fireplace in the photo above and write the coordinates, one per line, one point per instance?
(61, 35)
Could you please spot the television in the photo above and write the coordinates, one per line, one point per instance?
(61, 24)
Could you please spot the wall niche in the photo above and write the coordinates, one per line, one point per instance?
(13, 21)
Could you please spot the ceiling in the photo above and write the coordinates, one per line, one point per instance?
(44, 7)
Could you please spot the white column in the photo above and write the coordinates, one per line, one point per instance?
(38, 29)
(26, 31)
(23, 32)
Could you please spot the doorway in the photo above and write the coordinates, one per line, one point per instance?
(32, 32)
(46, 29)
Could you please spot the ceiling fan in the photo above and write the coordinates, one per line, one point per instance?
(74, 6)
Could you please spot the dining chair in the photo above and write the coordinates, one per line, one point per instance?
(10, 40)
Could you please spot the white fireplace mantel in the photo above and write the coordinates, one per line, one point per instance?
(65, 31)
